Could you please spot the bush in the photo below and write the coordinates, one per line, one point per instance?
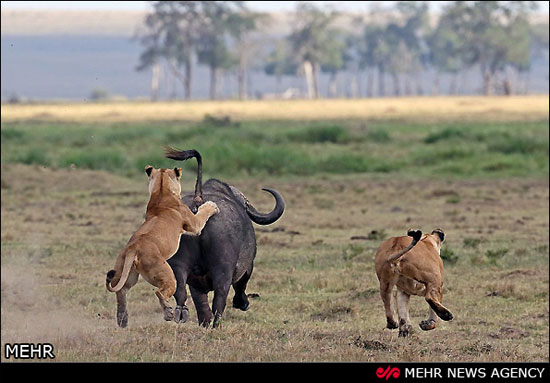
(317, 134)
(518, 144)
(448, 255)
(444, 134)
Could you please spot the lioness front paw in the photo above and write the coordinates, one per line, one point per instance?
(168, 314)
(211, 206)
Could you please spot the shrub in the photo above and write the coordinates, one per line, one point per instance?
(448, 255)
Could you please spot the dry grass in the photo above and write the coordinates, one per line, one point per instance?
(318, 296)
(414, 108)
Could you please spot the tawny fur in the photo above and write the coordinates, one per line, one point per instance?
(418, 271)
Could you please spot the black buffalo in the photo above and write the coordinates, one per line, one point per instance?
(223, 255)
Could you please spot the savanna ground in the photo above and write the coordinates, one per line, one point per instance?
(73, 191)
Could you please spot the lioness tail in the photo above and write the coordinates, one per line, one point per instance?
(128, 263)
(416, 235)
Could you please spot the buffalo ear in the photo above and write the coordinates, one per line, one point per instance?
(148, 170)
(440, 233)
(177, 172)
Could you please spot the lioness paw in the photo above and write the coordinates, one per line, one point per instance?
(211, 206)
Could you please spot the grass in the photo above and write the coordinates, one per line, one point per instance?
(420, 109)
(317, 292)
(73, 192)
(282, 148)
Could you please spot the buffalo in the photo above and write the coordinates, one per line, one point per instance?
(223, 255)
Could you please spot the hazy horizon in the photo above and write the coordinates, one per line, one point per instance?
(263, 6)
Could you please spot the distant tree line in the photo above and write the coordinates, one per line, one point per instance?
(495, 38)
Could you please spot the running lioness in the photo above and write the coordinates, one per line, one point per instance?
(415, 267)
(157, 239)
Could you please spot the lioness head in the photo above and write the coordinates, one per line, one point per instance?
(164, 180)
(437, 236)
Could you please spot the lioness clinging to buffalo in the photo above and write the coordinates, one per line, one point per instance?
(223, 255)
(415, 267)
(156, 240)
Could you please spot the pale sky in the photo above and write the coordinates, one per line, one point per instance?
(265, 6)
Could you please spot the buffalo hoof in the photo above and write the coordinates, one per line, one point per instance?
(428, 324)
(181, 314)
(217, 321)
(241, 304)
(122, 318)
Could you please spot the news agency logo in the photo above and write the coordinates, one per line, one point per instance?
(28, 351)
(389, 372)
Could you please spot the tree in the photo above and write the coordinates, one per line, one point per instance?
(493, 35)
(241, 25)
(212, 44)
(334, 57)
(280, 62)
(172, 30)
(309, 40)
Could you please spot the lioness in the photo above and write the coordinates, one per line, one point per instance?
(156, 240)
(416, 268)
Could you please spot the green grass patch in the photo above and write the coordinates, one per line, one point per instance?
(288, 148)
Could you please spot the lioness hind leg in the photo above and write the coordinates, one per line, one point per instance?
(121, 309)
(385, 293)
(430, 323)
(163, 277)
(405, 327)
(433, 297)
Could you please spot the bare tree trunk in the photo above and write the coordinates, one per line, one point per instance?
(213, 82)
(381, 83)
(308, 72)
(487, 82)
(315, 80)
(435, 87)
(407, 91)
(332, 85)
(452, 85)
(242, 74)
(354, 89)
(396, 88)
(370, 82)
(155, 80)
(188, 76)
(418, 84)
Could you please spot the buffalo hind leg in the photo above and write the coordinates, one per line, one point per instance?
(240, 300)
(181, 312)
(221, 283)
(200, 299)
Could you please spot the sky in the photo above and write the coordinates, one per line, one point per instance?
(265, 6)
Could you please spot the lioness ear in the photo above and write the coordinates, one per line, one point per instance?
(177, 172)
(440, 233)
(148, 170)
